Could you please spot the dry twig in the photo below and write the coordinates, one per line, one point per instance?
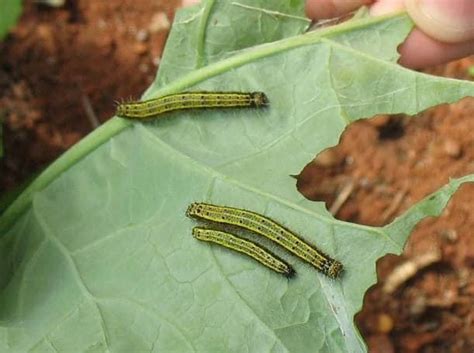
(408, 269)
(342, 197)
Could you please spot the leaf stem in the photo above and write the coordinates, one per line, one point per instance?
(201, 34)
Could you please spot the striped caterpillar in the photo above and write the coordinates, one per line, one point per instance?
(190, 100)
(247, 247)
(270, 229)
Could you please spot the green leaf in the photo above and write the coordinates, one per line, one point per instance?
(97, 254)
(202, 35)
(9, 12)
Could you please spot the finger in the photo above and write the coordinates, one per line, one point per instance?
(420, 50)
(449, 21)
(383, 7)
(319, 9)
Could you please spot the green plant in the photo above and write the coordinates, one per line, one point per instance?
(97, 254)
(9, 12)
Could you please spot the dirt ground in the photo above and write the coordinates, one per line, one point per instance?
(62, 69)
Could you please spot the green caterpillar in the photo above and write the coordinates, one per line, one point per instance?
(268, 228)
(247, 247)
(190, 100)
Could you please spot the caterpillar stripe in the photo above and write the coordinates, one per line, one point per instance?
(270, 229)
(247, 247)
(190, 100)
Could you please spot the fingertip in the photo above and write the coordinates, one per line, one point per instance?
(319, 9)
(323, 9)
(420, 51)
(448, 21)
(384, 7)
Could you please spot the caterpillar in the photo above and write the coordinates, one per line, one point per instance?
(247, 247)
(190, 100)
(268, 228)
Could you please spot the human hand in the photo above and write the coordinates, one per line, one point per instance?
(444, 28)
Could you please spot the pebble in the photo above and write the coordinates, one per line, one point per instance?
(418, 306)
(142, 35)
(329, 158)
(140, 48)
(379, 120)
(384, 323)
(159, 22)
(452, 148)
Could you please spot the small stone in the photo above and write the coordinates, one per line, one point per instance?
(452, 148)
(101, 24)
(142, 35)
(52, 3)
(378, 120)
(143, 67)
(157, 60)
(449, 235)
(328, 158)
(418, 306)
(384, 323)
(159, 22)
(140, 48)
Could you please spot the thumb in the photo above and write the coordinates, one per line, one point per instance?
(449, 21)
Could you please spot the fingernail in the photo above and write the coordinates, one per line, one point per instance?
(445, 20)
(385, 7)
